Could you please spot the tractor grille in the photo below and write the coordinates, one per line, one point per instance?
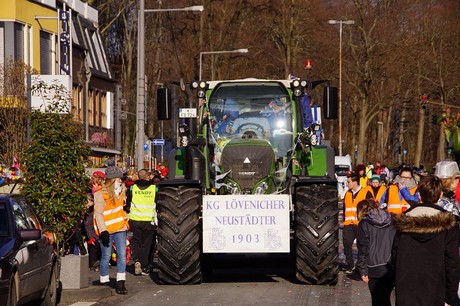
(250, 161)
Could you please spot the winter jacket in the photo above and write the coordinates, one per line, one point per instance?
(375, 239)
(425, 256)
(449, 203)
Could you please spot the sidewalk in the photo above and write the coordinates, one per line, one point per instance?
(92, 293)
(95, 292)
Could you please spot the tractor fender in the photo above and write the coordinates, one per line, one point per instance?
(179, 182)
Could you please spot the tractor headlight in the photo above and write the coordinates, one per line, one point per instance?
(261, 188)
(233, 189)
(314, 140)
(298, 87)
(201, 94)
(201, 86)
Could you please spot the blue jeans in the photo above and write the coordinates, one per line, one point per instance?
(119, 238)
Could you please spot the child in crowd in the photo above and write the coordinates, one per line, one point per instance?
(375, 239)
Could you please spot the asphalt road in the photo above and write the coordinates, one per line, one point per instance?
(248, 281)
(274, 284)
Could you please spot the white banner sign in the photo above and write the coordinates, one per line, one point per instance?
(246, 224)
(48, 90)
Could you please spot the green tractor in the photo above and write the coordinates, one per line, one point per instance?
(250, 178)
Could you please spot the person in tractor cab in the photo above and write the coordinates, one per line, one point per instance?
(229, 113)
(277, 116)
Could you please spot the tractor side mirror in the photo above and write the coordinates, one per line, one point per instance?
(163, 104)
(330, 102)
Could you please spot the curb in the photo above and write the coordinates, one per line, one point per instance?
(90, 294)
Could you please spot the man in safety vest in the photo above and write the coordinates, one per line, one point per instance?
(375, 188)
(142, 221)
(355, 194)
(402, 194)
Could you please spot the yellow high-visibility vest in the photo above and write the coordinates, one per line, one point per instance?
(143, 206)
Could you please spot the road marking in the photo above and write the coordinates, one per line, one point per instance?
(83, 304)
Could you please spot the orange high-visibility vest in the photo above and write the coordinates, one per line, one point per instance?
(114, 216)
(379, 194)
(396, 204)
(351, 216)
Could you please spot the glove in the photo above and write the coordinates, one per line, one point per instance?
(105, 238)
(92, 241)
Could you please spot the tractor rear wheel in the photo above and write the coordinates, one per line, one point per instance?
(179, 238)
(316, 234)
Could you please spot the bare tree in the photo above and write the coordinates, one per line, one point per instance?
(13, 110)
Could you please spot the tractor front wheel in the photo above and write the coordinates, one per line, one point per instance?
(316, 234)
(179, 235)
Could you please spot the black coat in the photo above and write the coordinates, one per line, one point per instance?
(425, 255)
(375, 240)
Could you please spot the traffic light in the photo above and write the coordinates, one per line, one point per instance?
(424, 102)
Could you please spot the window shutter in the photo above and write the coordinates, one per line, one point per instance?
(19, 42)
(45, 53)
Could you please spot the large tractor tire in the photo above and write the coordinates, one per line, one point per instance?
(316, 234)
(179, 235)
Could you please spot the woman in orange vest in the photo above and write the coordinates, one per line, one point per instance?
(112, 224)
(355, 194)
(402, 194)
(375, 188)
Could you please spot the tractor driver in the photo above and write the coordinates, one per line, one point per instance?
(277, 116)
(230, 112)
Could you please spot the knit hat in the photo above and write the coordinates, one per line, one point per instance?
(112, 171)
(375, 177)
(360, 167)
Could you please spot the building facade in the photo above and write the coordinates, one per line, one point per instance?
(61, 37)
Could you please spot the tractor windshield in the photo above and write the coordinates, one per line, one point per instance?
(248, 110)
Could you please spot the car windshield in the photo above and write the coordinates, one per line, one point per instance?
(252, 110)
(342, 170)
(4, 224)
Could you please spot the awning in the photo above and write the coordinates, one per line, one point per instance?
(105, 151)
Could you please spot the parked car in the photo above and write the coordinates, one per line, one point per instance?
(342, 169)
(29, 266)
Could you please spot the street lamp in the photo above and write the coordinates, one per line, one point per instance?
(219, 52)
(140, 113)
(341, 23)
